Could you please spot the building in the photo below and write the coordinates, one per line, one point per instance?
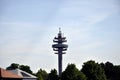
(23, 74)
(7, 75)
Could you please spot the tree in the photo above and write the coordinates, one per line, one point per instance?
(53, 75)
(72, 73)
(112, 72)
(13, 66)
(42, 75)
(39, 76)
(93, 71)
(26, 68)
(116, 75)
(108, 68)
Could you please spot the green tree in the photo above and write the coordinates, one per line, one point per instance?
(42, 75)
(108, 68)
(39, 76)
(93, 71)
(26, 68)
(72, 73)
(116, 74)
(112, 71)
(13, 66)
(53, 75)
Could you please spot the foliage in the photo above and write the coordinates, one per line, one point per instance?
(53, 75)
(17, 66)
(72, 73)
(13, 66)
(93, 71)
(26, 68)
(111, 71)
(42, 75)
(90, 71)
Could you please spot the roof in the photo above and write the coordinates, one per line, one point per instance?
(7, 74)
(22, 73)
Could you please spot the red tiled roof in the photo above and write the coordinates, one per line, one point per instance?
(7, 74)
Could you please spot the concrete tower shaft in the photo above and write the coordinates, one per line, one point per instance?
(60, 48)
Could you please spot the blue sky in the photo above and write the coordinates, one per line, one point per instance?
(27, 29)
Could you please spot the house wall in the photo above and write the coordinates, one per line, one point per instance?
(10, 79)
(29, 79)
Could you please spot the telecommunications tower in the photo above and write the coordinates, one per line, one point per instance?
(60, 49)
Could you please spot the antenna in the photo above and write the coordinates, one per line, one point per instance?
(59, 30)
